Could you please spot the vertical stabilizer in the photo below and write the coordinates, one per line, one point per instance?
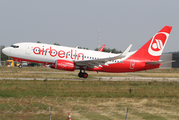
(153, 49)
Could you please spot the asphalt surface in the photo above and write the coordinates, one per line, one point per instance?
(132, 78)
(104, 79)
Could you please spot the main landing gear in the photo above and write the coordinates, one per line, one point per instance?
(82, 74)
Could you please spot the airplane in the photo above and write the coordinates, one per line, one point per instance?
(70, 59)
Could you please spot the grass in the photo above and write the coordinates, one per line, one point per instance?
(66, 88)
(148, 96)
(89, 116)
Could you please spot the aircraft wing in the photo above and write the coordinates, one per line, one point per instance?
(97, 62)
(159, 62)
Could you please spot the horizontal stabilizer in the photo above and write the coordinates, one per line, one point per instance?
(159, 62)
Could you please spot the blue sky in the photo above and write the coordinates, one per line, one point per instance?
(76, 22)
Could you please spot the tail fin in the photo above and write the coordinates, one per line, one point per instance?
(153, 49)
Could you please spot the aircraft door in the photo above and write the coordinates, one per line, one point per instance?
(132, 64)
(28, 49)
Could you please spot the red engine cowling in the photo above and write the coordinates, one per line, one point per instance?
(64, 65)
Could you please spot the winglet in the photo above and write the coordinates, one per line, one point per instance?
(102, 48)
(126, 51)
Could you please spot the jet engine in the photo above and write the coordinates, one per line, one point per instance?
(64, 65)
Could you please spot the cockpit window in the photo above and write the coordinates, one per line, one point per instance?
(14, 46)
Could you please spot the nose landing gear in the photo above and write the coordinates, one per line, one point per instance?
(82, 74)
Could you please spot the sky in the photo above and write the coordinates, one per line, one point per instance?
(77, 22)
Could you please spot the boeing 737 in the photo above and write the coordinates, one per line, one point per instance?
(70, 59)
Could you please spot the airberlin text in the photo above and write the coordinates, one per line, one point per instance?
(61, 53)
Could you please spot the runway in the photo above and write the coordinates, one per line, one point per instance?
(104, 79)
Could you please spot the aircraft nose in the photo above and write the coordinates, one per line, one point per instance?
(5, 50)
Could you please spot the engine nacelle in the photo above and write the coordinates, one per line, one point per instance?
(64, 65)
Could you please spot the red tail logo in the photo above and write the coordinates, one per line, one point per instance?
(157, 43)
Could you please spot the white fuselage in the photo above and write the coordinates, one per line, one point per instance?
(49, 53)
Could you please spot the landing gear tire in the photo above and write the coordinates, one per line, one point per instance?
(85, 75)
(82, 74)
